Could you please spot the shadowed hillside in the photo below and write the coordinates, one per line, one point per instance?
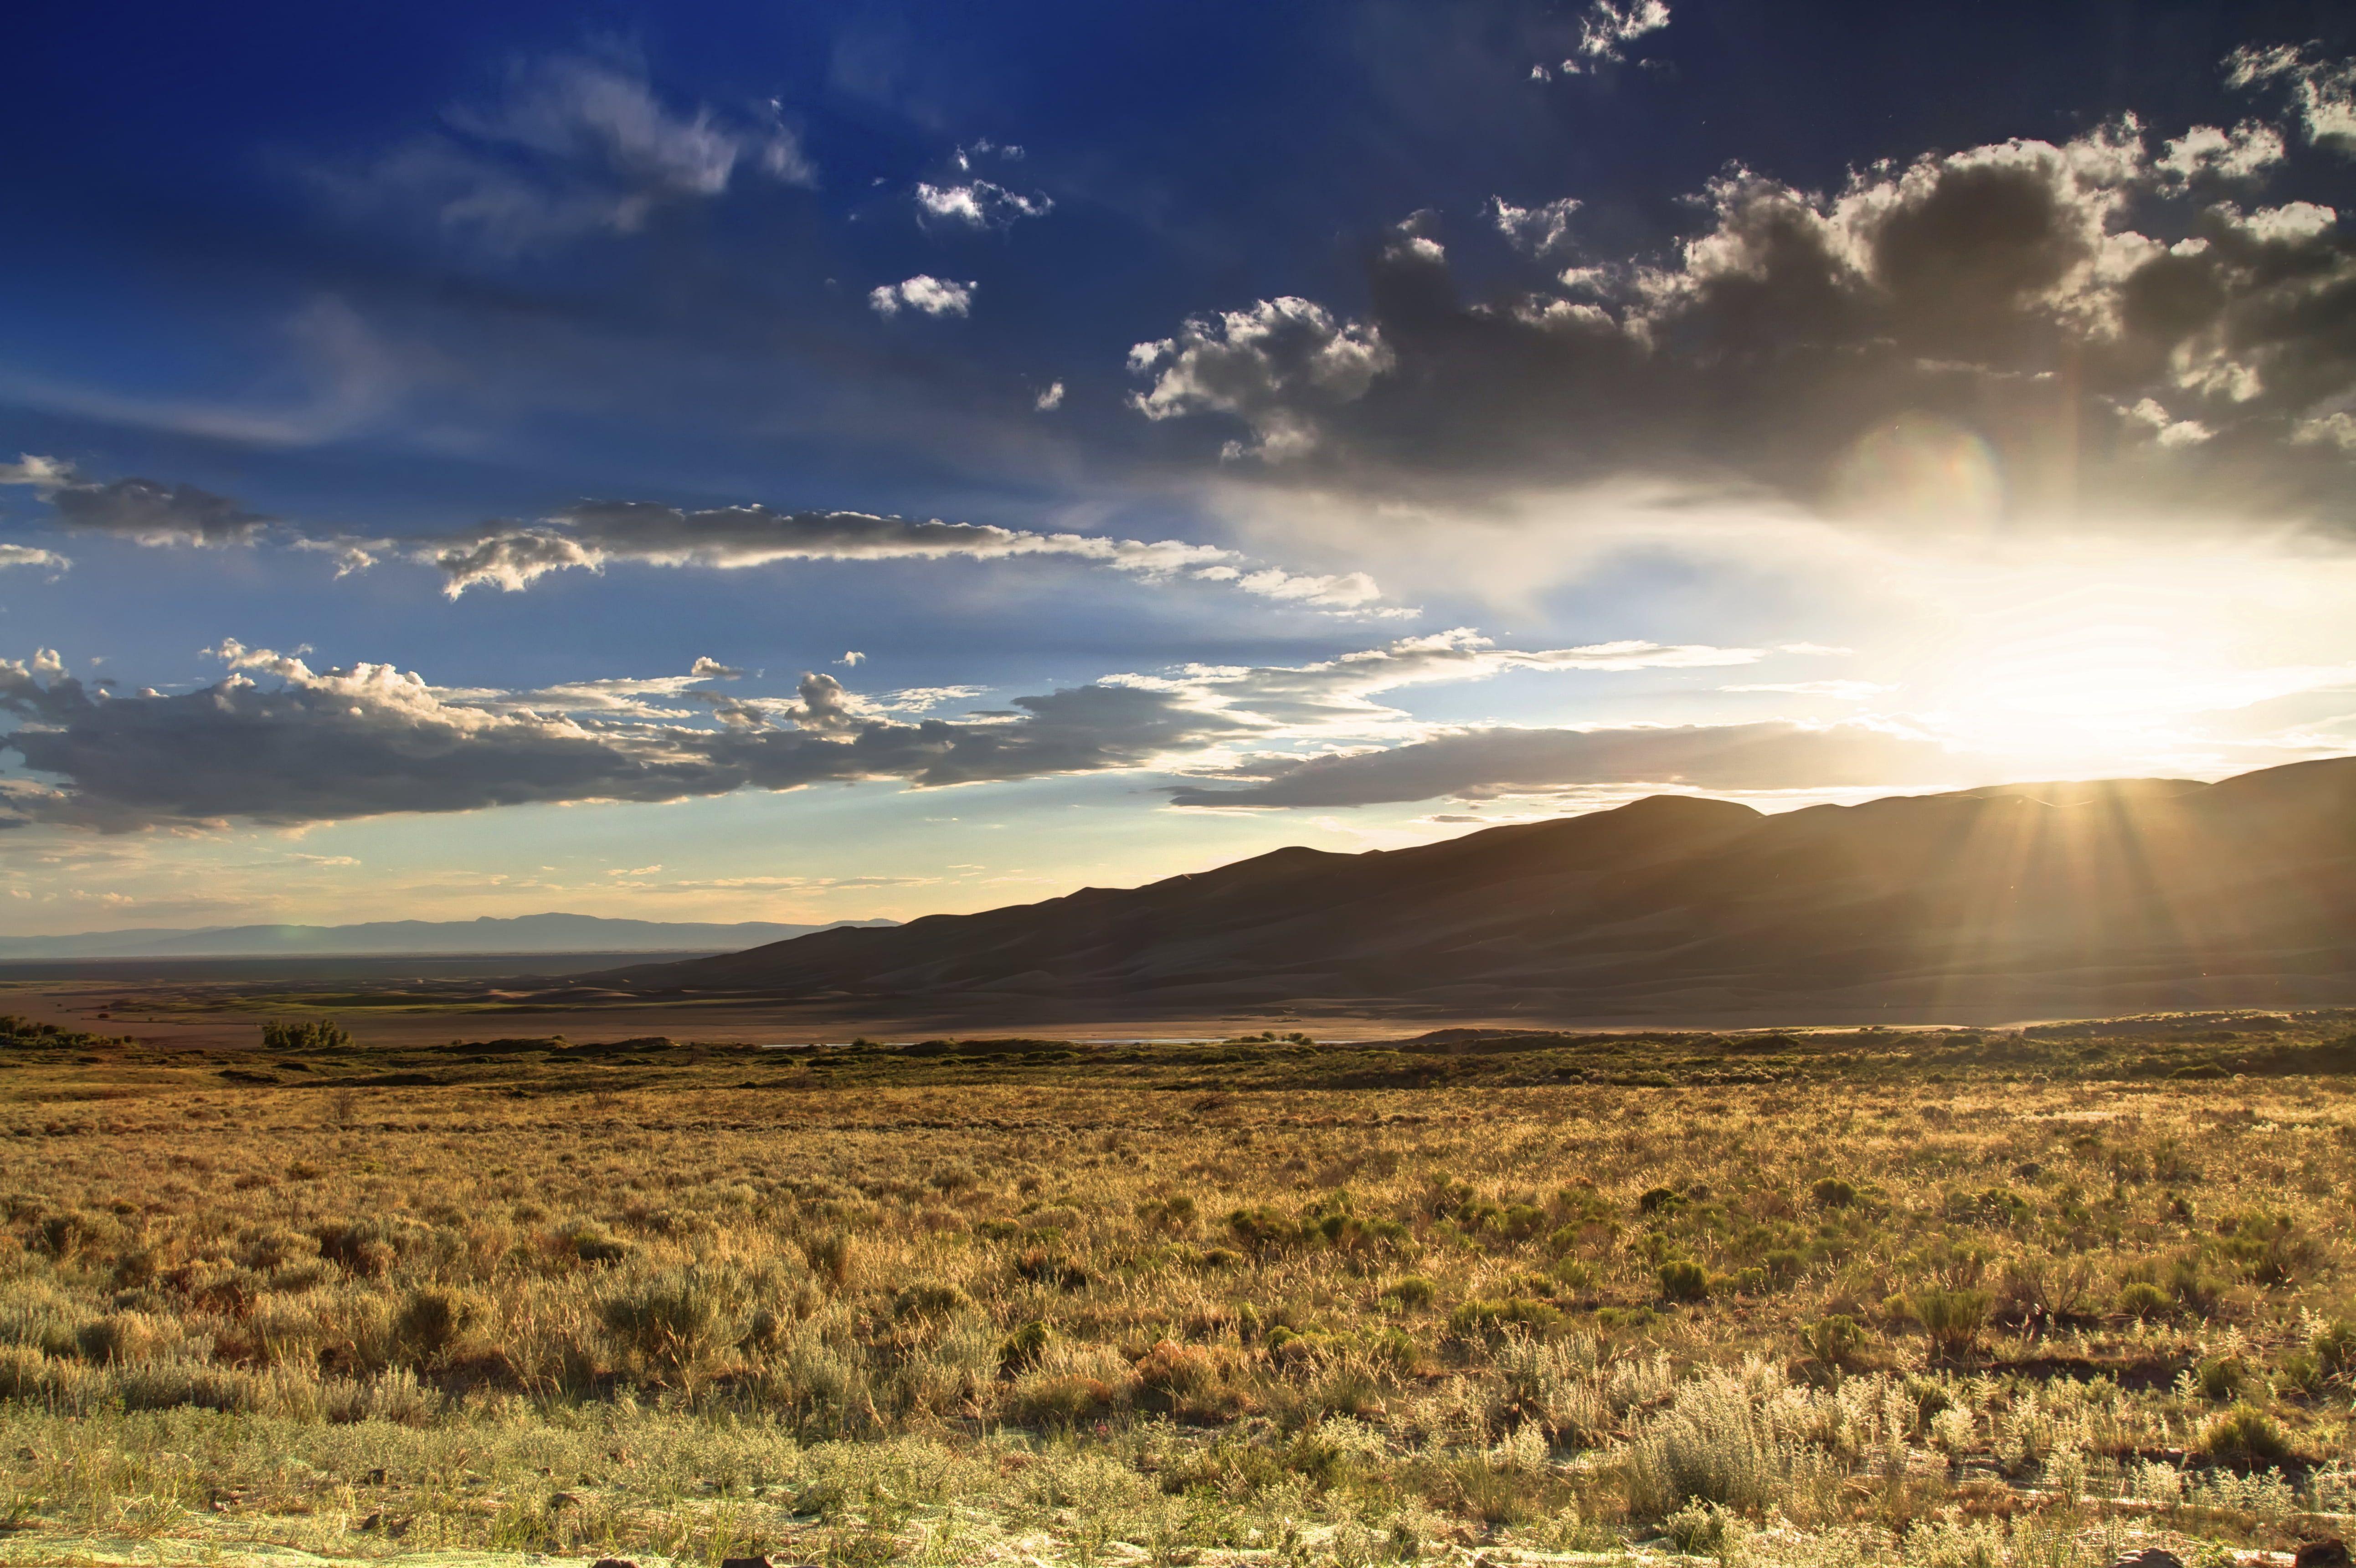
(2035, 897)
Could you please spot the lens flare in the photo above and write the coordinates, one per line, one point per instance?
(1919, 468)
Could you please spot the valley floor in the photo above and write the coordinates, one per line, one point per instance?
(1939, 1297)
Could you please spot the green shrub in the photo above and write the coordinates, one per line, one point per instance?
(1062, 1401)
(666, 1323)
(2245, 1435)
(1410, 1293)
(1573, 1274)
(2334, 1346)
(1835, 1339)
(927, 1299)
(592, 1242)
(1831, 1192)
(2221, 1377)
(1682, 1279)
(2194, 1287)
(319, 1034)
(1021, 1351)
(1262, 1229)
(1661, 1201)
(430, 1322)
(1953, 1318)
(1493, 1320)
(2143, 1300)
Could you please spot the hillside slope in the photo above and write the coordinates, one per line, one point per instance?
(2117, 894)
(528, 933)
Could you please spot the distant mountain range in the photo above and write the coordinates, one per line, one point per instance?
(529, 933)
(2018, 901)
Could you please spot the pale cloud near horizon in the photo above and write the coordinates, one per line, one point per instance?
(367, 739)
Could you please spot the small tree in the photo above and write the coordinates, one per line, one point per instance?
(319, 1034)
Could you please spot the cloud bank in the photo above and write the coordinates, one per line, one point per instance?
(367, 739)
(1474, 763)
(593, 534)
(371, 741)
(2076, 327)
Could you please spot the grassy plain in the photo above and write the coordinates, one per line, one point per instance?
(1938, 1298)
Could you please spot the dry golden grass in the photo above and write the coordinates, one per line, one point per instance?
(1951, 1299)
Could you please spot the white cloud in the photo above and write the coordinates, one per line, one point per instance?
(44, 473)
(25, 555)
(980, 203)
(1273, 366)
(2323, 91)
(1333, 699)
(2246, 151)
(1606, 29)
(854, 658)
(513, 556)
(1049, 400)
(933, 296)
(2165, 428)
(1535, 230)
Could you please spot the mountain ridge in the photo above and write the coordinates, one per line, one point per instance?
(2105, 893)
(550, 931)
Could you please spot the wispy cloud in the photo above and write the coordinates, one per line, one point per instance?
(574, 145)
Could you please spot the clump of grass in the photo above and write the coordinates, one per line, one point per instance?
(1409, 1293)
(665, 1325)
(2244, 1435)
(1954, 1319)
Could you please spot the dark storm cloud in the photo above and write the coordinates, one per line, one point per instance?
(1489, 762)
(139, 510)
(369, 741)
(2005, 292)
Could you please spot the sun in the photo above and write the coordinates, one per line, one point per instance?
(2075, 665)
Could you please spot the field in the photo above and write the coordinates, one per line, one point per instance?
(1933, 1297)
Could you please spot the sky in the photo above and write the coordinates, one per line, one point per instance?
(810, 461)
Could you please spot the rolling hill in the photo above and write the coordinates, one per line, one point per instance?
(2084, 897)
(521, 934)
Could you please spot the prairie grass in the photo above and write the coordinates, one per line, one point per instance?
(2015, 1299)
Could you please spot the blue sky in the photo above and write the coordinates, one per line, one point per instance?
(825, 460)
